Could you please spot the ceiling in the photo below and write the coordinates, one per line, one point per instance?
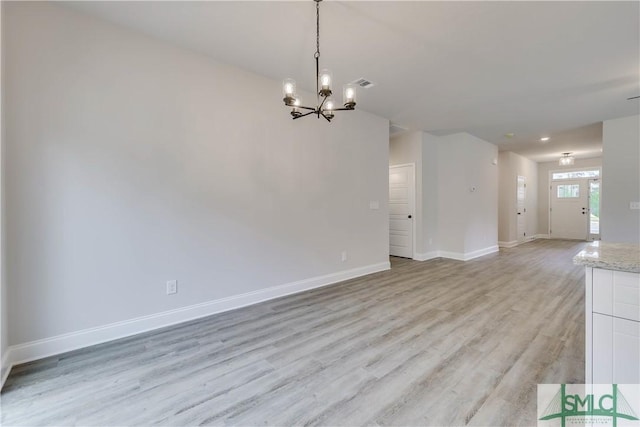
(533, 69)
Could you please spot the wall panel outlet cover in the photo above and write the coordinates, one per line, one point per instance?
(374, 204)
(634, 205)
(172, 287)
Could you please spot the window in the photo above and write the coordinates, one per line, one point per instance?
(575, 174)
(594, 208)
(568, 191)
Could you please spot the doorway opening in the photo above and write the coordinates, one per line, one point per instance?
(402, 210)
(574, 201)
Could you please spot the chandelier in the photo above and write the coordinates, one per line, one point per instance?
(325, 106)
(566, 160)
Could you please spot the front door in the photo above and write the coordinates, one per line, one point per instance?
(570, 209)
(401, 210)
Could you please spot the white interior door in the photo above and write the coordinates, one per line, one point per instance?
(570, 209)
(521, 215)
(401, 210)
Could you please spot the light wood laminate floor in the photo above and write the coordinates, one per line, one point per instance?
(438, 342)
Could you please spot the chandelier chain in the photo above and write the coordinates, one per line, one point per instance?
(317, 54)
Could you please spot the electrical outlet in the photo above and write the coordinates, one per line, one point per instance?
(344, 256)
(172, 287)
(634, 205)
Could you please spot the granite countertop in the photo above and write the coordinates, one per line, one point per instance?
(611, 256)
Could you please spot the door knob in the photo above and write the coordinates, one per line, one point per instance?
(409, 216)
(519, 213)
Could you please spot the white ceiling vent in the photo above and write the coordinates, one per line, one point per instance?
(364, 83)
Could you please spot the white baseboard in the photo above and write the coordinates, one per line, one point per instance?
(426, 256)
(5, 368)
(466, 256)
(459, 256)
(542, 236)
(481, 252)
(39, 349)
(514, 243)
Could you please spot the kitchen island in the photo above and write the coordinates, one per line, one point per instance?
(612, 346)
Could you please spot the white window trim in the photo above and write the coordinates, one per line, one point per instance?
(593, 168)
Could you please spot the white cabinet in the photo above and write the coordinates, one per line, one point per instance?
(613, 327)
(602, 349)
(626, 357)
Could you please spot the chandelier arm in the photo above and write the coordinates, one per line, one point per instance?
(305, 114)
(327, 118)
(306, 108)
(322, 103)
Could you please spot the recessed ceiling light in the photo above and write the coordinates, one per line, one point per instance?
(544, 139)
(509, 135)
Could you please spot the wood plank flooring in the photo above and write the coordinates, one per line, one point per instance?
(438, 342)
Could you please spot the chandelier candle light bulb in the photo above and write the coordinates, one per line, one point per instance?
(328, 108)
(325, 82)
(349, 96)
(289, 91)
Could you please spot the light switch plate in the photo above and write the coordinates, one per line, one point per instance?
(634, 205)
(172, 287)
(374, 205)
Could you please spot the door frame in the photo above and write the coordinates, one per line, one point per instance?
(412, 205)
(521, 216)
(591, 236)
(550, 184)
(583, 184)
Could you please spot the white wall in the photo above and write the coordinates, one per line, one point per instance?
(510, 166)
(506, 197)
(450, 220)
(620, 179)
(467, 196)
(4, 332)
(543, 187)
(130, 162)
(430, 191)
(420, 148)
